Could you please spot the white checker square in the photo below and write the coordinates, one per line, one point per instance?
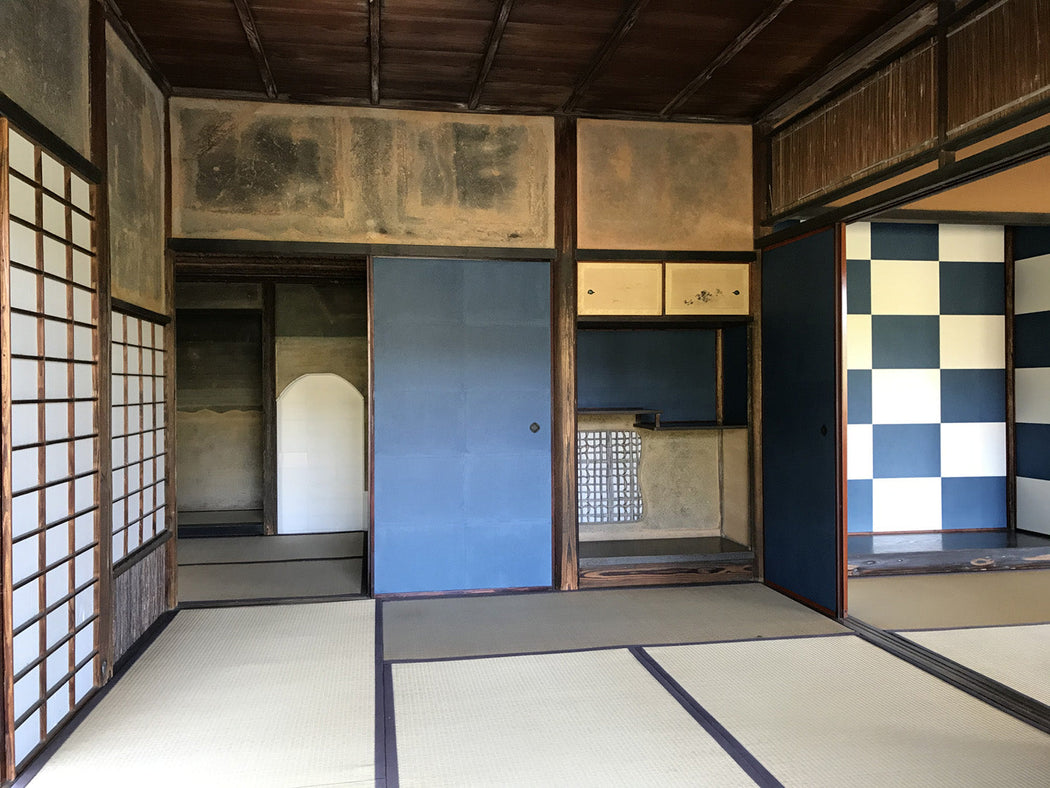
(905, 287)
(858, 341)
(1032, 392)
(1032, 285)
(970, 243)
(974, 449)
(860, 451)
(858, 241)
(1033, 505)
(973, 342)
(906, 504)
(905, 396)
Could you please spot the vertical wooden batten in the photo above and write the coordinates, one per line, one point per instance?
(563, 337)
(269, 396)
(1011, 403)
(369, 585)
(842, 417)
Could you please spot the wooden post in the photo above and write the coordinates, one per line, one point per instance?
(171, 519)
(1011, 402)
(269, 404)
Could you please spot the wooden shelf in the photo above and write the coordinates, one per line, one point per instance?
(657, 425)
(614, 411)
(599, 322)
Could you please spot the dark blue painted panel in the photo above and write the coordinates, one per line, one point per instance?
(462, 369)
(891, 241)
(860, 504)
(734, 375)
(905, 341)
(973, 395)
(973, 288)
(858, 287)
(1032, 339)
(858, 393)
(673, 371)
(799, 432)
(1031, 242)
(907, 451)
(1033, 454)
(977, 502)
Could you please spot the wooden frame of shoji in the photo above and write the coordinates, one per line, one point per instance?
(49, 355)
(139, 431)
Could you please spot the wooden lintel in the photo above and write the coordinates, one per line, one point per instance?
(499, 24)
(906, 26)
(735, 48)
(601, 57)
(375, 43)
(135, 46)
(251, 32)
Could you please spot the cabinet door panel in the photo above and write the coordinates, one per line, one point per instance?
(620, 289)
(707, 289)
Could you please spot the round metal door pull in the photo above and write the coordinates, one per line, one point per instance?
(534, 427)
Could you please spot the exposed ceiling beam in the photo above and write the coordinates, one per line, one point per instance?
(905, 27)
(727, 54)
(375, 13)
(619, 32)
(499, 24)
(134, 44)
(251, 32)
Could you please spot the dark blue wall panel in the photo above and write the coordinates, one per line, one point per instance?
(462, 369)
(799, 426)
(734, 375)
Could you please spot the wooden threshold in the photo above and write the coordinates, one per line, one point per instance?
(678, 573)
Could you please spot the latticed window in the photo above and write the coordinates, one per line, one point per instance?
(607, 477)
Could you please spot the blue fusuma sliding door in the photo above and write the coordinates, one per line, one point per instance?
(462, 375)
(800, 422)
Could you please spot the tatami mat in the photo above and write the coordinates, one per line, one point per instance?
(276, 696)
(594, 718)
(531, 623)
(952, 600)
(1017, 656)
(292, 547)
(287, 580)
(838, 711)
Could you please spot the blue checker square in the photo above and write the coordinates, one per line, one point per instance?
(973, 395)
(1031, 242)
(858, 287)
(907, 451)
(906, 341)
(858, 396)
(1033, 459)
(973, 502)
(892, 241)
(859, 506)
(972, 288)
(1032, 340)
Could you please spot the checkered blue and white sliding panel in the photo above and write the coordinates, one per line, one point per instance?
(1032, 376)
(926, 386)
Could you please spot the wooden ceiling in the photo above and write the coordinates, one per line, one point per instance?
(659, 59)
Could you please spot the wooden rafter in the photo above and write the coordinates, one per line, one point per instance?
(251, 32)
(601, 57)
(735, 48)
(499, 24)
(375, 13)
(134, 44)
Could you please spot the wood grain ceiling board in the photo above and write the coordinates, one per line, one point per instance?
(432, 49)
(195, 43)
(670, 44)
(319, 48)
(547, 46)
(803, 40)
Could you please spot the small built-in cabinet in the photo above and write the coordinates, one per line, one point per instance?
(621, 288)
(658, 289)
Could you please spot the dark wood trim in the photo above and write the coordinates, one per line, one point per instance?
(962, 217)
(145, 550)
(135, 46)
(911, 23)
(313, 249)
(236, 268)
(171, 520)
(375, 48)
(616, 36)
(841, 420)
(470, 592)
(945, 8)
(800, 599)
(269, 407)
(251, 32)
(754, 422)
(735, 47)
(565, 529)
(1011, 391)
(663, 255)
(719, 395)
(128, 308)
(368, 567)
(657, 322)
(499, 25)
(762, 167)
(694, 573)
(47, 139)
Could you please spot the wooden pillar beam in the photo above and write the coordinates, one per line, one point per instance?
(601, 57)
(375, 43)
(269, 394)
(735, 48)
(251, 32)
(563, 383)
(499, 24)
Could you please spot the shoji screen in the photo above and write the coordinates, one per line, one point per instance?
(50, 440)
(139, 423)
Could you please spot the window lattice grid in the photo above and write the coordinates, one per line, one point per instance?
(607, 477)
(50, 287)
(139, 430)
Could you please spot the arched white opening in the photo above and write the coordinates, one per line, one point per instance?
(320, 456)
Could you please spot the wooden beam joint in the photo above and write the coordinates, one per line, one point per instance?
(251, 32)
(499, 24)
(619, 32)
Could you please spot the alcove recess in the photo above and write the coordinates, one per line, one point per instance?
(663, 467)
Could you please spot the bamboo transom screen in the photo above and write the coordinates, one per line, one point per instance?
(50, 440)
